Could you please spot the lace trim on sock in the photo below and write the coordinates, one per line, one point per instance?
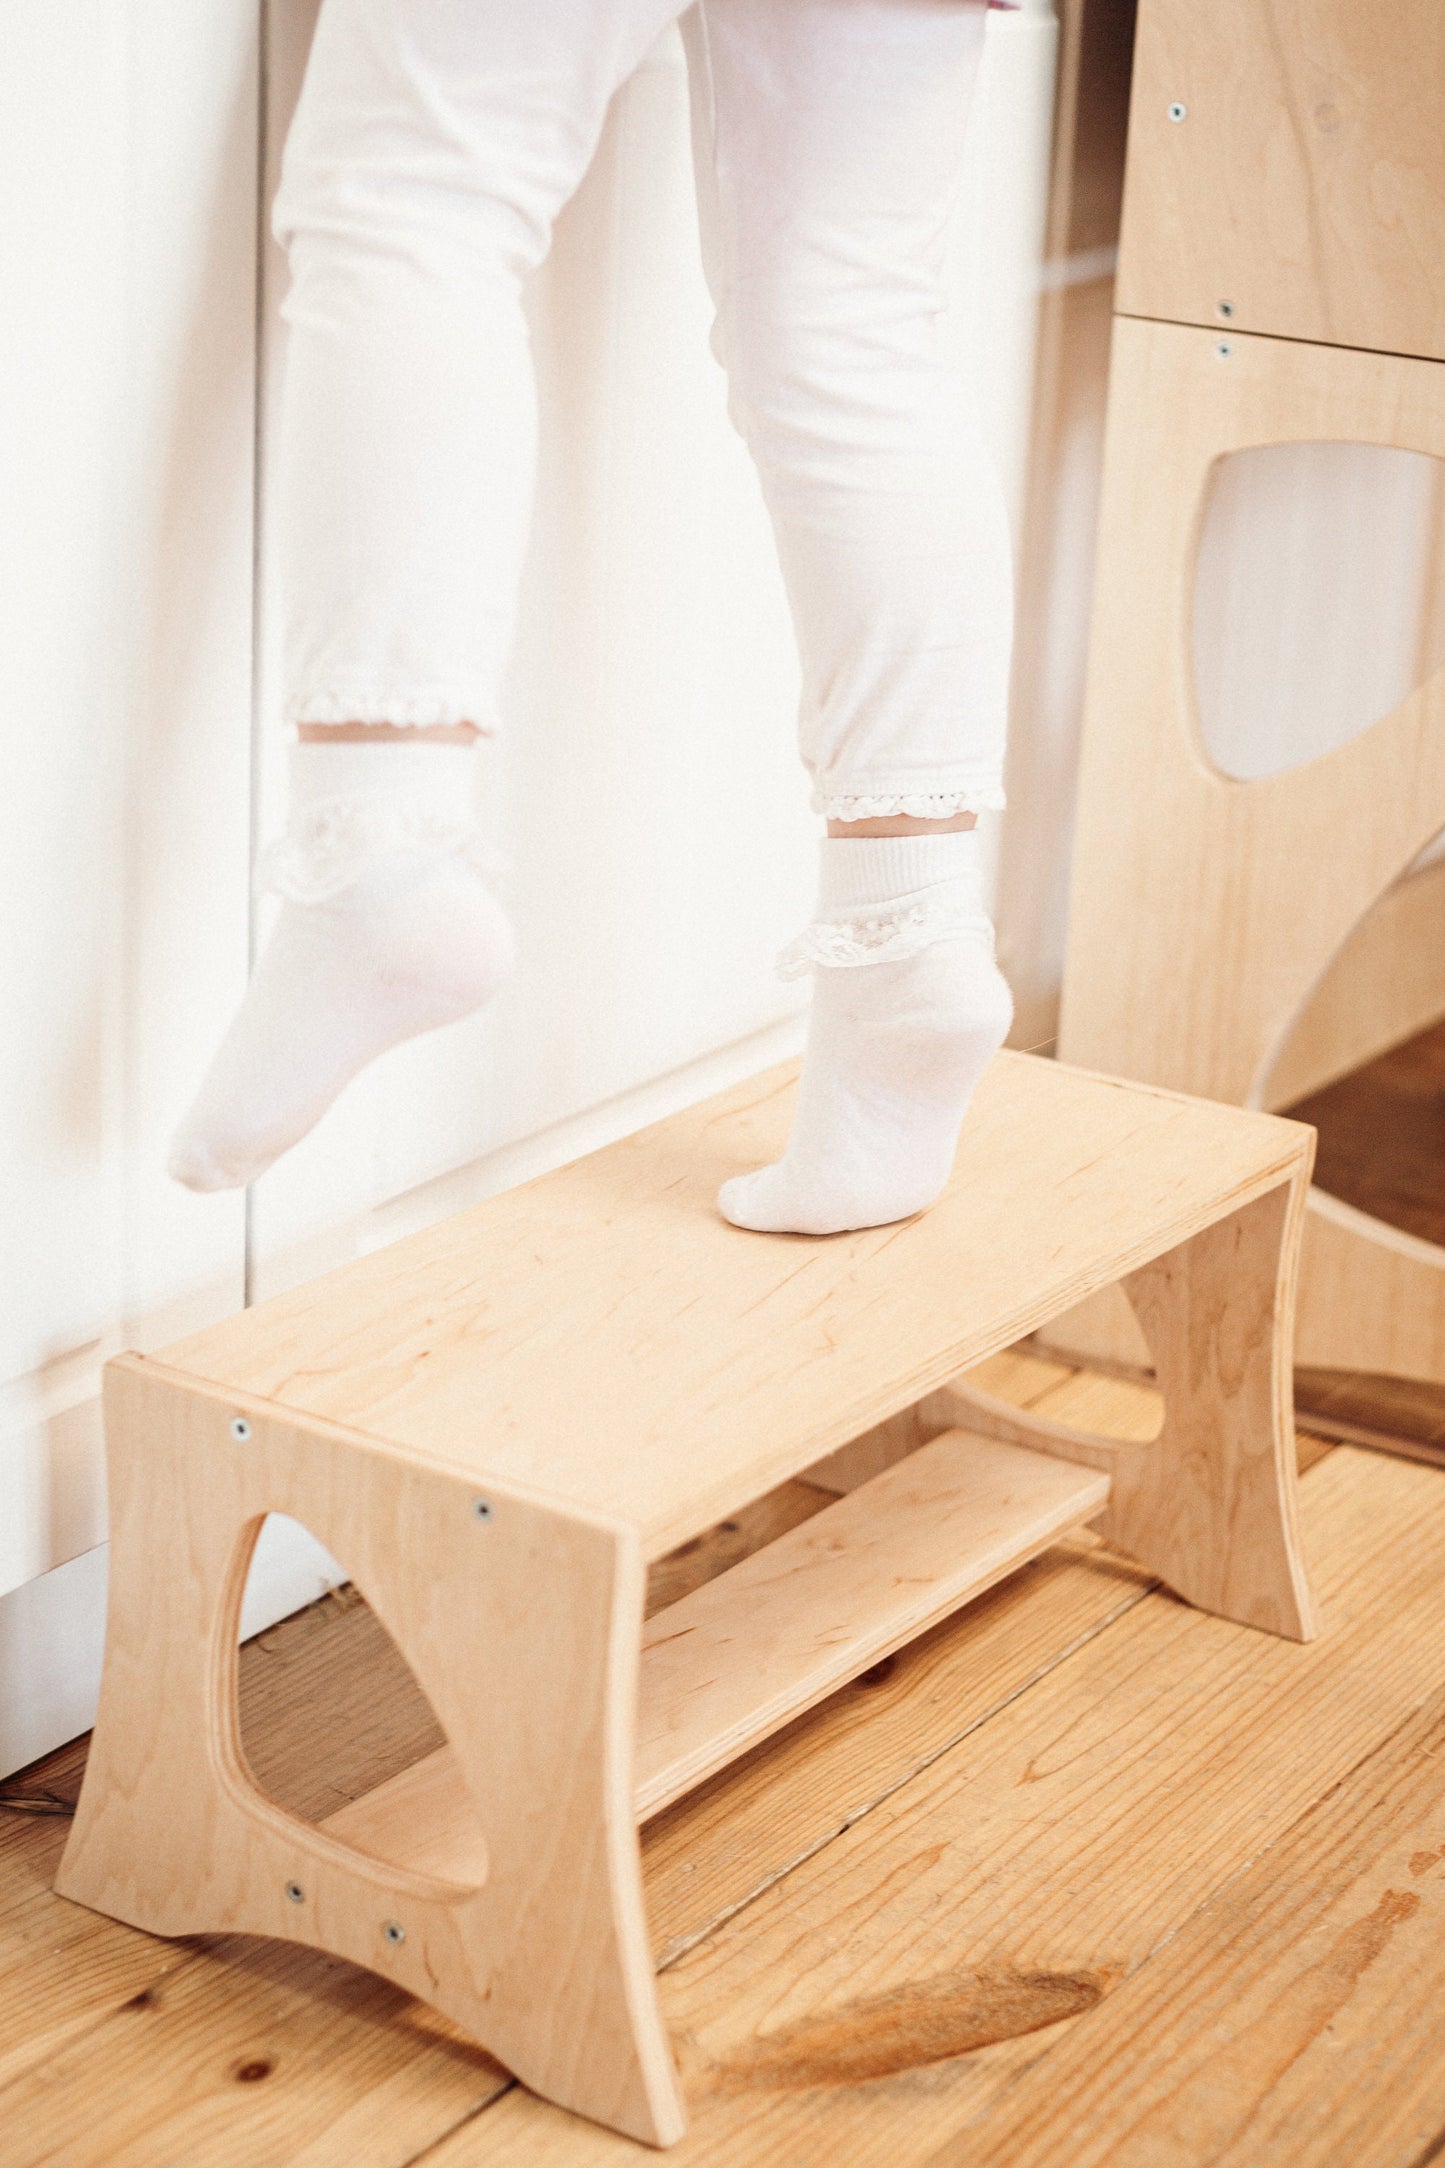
(342, 839)
(886, 937)
(934, 805)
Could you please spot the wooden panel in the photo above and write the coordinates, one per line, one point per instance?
(754, 1648)
(1371, 1297)
(603, 1335)
(422, 1819)
(527, 1662)
(1306, 185)
(1208, 1505)
(1186, 883)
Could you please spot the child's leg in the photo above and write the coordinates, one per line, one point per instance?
(434, 144)
(829, 137)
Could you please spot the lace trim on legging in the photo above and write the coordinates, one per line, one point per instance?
(928, 805)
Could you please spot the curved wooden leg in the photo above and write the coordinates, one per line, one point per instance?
(1210, 1503)
(1210, 1506)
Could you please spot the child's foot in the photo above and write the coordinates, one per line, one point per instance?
(387, 931)
(895, 1049)
(411, 945)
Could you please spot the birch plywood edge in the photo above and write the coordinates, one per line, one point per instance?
(603, 1336)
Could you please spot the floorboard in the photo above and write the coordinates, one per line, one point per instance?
(1382, 1135)
(1382, 1149)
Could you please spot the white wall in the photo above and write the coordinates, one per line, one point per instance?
(650, 747)
(126, 263)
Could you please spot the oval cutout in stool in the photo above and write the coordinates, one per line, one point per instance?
(351, 1745)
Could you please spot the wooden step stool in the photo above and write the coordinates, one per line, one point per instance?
(496, 1424)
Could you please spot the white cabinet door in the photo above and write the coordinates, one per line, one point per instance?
(127, 290)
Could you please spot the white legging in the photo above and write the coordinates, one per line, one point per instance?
(435, 143)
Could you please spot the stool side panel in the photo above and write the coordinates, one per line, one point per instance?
(521, 1626)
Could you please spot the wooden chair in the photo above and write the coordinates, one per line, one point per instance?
(1281, 279)
(497, 1423)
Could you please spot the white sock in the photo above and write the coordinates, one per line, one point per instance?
(387, 930)
(908, 1010)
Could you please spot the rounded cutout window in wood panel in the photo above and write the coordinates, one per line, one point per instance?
(1319, 598)
(331, 1712)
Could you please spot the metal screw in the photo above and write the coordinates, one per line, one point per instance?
(482, 1510)
(240, 1429)
(1224, 350)
(1226, 308)
(394, 1933)
(1178, 110)
(296, 1893)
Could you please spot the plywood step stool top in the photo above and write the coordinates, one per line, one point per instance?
(601, 1335)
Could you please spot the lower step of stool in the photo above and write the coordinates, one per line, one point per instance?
(744, 1654)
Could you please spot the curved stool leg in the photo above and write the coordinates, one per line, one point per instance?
(1210, 1506)
(1210, 1503)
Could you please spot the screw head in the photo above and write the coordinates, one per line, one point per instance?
(1223, 350)
(482, 1509)
(394, 1932)
(296, 1893)
(240, 1429)
(1178, 110)
(1225, 308)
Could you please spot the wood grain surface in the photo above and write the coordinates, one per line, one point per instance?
(1305, 184)
(603, 1335)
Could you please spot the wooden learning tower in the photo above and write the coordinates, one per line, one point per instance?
(1281, 279)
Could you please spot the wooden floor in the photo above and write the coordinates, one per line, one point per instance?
(1382, 1136)
(1382, 1149)
(1082, 1877)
